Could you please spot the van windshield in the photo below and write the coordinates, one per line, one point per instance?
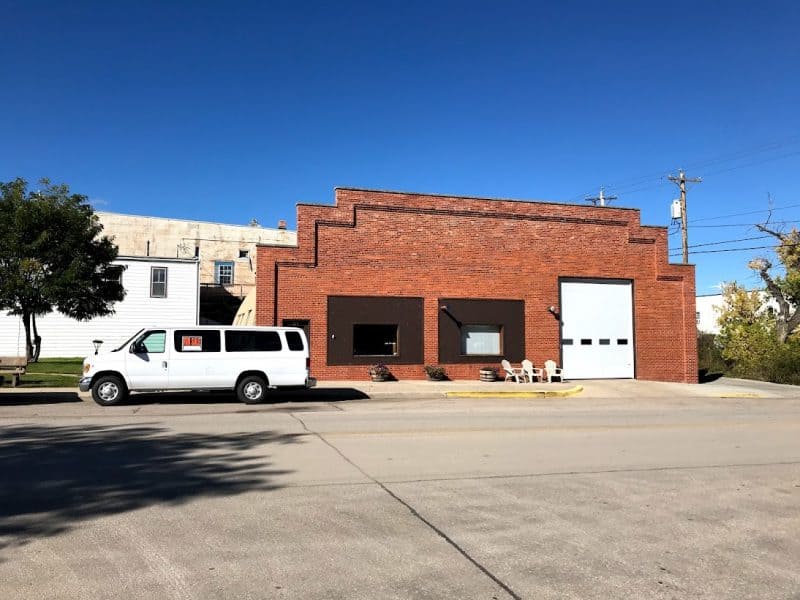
(125, 343)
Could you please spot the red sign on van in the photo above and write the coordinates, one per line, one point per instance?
(191, 343)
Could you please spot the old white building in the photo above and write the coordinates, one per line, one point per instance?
(226, 252)
(158, 291)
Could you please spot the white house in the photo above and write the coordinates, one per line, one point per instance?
(158, 290)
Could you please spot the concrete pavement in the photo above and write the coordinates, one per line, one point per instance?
(197, 496)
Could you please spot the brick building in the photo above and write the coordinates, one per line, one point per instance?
(417, 279)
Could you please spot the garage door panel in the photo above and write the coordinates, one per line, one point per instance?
(597, 329)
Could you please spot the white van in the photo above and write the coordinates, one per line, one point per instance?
(250, 360)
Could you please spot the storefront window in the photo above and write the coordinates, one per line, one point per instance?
(374, 340)
(481, 339)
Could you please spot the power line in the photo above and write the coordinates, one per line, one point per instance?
(740, 154)
(758, 237)
(742, 224)
(637, 182)
(752, 164)
(738, 249)
(752, 212)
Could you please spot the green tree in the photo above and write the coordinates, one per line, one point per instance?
(747, 331)
(784, 289)
(52, 257)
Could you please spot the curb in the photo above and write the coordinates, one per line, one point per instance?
(537, 394)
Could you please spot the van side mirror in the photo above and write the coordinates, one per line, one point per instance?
(136, 348)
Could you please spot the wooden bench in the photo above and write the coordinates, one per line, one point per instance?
(13, 365)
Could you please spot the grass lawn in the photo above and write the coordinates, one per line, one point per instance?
(51, 372)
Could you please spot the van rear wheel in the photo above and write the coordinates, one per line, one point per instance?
(109, 390)
(251, 389)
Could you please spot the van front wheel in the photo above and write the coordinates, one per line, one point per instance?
(109, 390)
(251, 389)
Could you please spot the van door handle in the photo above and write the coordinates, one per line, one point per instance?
(163, 364)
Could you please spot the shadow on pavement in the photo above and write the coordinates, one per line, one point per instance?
(52, 477)
(33, 397)
(274, 396)
(704, 376)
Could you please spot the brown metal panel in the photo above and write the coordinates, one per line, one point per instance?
(346, 311)
(509, 314)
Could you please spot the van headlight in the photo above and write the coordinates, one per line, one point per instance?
(86, 368)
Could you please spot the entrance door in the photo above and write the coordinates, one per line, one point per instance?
(597, 329)
(148, 367)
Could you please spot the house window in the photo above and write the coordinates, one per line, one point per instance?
(158, 282)
(485, 340)
(374, 340)
(244, 253)
(697, 317)
(114, 273)
(223, 272)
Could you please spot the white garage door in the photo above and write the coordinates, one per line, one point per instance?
(597, 330)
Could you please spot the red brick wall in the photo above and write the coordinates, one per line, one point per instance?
(392, 244)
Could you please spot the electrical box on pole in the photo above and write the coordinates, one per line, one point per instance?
(675, 209)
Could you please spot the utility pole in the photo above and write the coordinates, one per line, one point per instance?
(601, 199)
(681, 181)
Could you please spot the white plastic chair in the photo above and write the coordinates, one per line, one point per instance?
(531, 373)
(511, 372)
(552, 371)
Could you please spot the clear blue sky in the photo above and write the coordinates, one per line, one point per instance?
(228, 111)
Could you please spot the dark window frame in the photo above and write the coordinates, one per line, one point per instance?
(396, 342)
(345, 311)
(500, 331)
(453, 313)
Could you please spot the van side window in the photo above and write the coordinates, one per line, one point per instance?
(197, 340)
(154, 342)
(294, 340)
(252, 341)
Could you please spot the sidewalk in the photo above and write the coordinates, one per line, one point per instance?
(596, 388)
(588, 388)
(458, 388)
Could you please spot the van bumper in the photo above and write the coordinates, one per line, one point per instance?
(85, 384)
(311, 382)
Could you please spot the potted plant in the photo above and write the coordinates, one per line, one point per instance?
(379, 372)
(435, 373)
(488, 374)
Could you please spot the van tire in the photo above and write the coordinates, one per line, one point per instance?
(251, 389)
(109, 390)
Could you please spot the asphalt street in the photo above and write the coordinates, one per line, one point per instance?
(650, 496)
